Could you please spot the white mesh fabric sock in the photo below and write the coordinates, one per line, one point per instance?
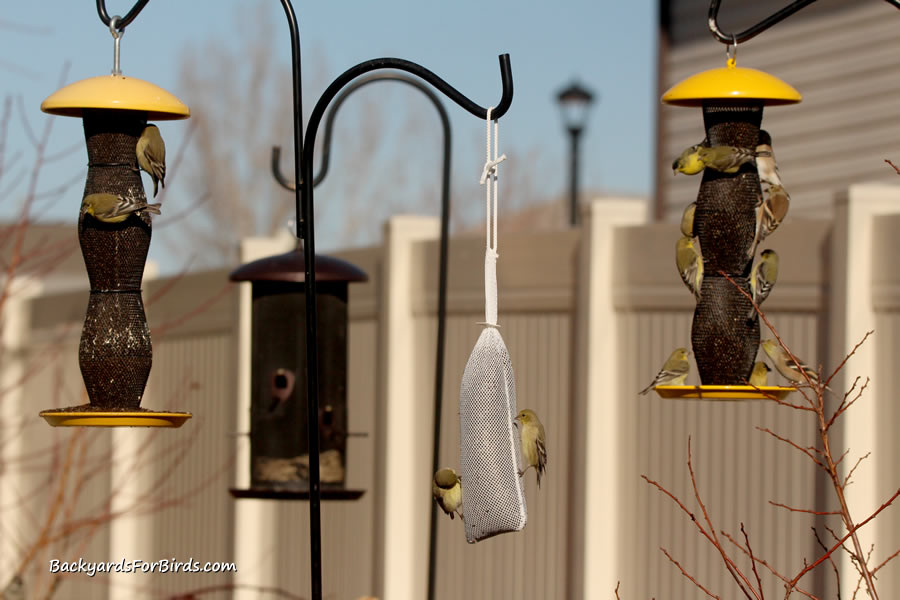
(493, 494)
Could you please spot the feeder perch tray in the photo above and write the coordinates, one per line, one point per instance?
(723, 392)
(270, 494)
(99, 418)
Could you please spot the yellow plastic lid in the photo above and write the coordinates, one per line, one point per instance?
(732, 82)
(116, 92)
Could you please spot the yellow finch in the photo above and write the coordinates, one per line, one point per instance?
(534, 448)
(690, 265)
(760, 374)
(765, 164)
(447, 491)
(687, 220)
(726, 159)
(762, 278)
(786, 366)
(689, 161)
(772, 211)
(111, 208)
(674, 372)
(151, 155)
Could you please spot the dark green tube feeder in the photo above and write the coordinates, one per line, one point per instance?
(279, 445)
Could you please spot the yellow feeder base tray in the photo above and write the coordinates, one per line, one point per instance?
(723, 392)
(143, 418)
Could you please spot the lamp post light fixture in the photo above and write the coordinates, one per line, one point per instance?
(574, 103)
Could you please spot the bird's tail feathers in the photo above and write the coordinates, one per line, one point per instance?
(154, 208)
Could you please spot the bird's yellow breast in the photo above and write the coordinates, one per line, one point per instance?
(690, 164)
(529, 444)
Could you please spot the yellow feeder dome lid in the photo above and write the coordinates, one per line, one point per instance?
(731, 82)
(116, 92)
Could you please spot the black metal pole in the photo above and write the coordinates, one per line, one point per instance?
(305, 232)
(443, 259)
(308, 235)
(574, 137)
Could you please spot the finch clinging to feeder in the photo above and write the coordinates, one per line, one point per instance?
(726, 159)
(762, 278)
(765, 164)
(531, 435)
(687, 220)
(689, 162)
(760, 374)
(771, 213)
(447, 491)
(786, 366)
(111, 208)
(674, 371)
(690, 265)
(151, 155)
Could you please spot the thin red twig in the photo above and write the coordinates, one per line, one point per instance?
(771, 569)
(893, 165)
(753, 562)
(805, 510)
(736, 573)
(847, 480)
(806, 451)
(688, 575)
(834, 567)
(840, 542)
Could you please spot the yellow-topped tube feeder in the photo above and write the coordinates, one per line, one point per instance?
(114, 227)
(724, 340)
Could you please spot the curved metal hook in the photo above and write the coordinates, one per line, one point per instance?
(332, 113)
(381, 63)
(419, 71)
(750, 32)
(276, 171)
(124, 21)
(305, 211)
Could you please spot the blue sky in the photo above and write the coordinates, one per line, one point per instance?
(609, 46)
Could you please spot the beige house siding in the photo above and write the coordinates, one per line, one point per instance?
(840, 56)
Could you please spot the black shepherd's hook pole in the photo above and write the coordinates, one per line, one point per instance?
(307, 219)
(750, 32)
(442, 260)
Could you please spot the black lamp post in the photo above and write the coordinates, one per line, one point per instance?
(574, 103)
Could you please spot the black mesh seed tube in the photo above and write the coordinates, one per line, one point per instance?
(724, 341)
(115, 353)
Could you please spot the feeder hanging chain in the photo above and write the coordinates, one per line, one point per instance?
(753, 31)
(125, 21)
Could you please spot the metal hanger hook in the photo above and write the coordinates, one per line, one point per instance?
(731, 52)
(117, 36)
(112, 27)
